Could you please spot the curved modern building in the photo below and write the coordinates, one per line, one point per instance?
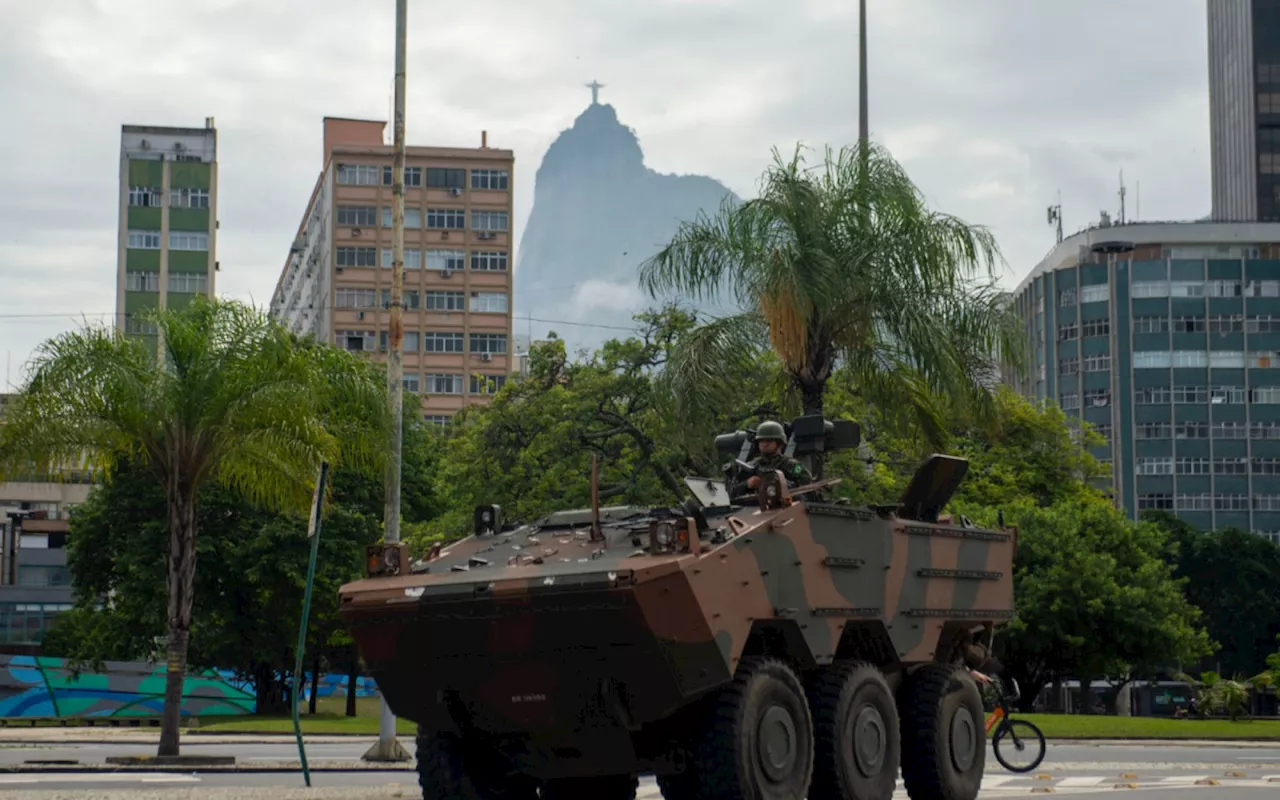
(1165, 337)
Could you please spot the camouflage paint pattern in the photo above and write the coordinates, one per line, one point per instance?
(44, 687)
(540, 634)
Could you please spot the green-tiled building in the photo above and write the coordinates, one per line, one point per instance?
(1166, 338)
(168, 219)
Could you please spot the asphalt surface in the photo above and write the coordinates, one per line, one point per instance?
(1225, 772)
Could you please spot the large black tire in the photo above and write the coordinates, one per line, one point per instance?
(445, 773)
(855, 731)
(609, 787)
(944, 742)
(682, 786)
(732, 760)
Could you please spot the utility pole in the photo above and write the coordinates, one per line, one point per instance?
(388, 747)
(863, 128)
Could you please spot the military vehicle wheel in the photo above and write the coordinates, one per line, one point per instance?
(756, 742)
(944, 742)
(446, 773)
(678, 787)
(609, 787)
(855, 731)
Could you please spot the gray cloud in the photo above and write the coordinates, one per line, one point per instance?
(994, 106)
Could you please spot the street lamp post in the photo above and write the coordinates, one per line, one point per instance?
(388, 747)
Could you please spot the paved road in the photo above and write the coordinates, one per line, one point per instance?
(1087, 770)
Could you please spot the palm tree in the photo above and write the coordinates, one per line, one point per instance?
(233, 398)
(842, 265)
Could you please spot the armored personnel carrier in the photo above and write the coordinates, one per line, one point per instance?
(772, 646)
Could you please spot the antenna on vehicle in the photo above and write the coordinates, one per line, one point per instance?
(596, 534)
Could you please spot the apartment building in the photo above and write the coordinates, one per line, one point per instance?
(1165, 337)
(168, 222)
(35, 585)
(336, 280)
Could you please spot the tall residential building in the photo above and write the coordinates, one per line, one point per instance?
(336, 281)
(1244, 106)
(1165, 337)
(168, 219)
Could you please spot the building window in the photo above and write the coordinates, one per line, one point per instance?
(41, 575)
(142, 281)
(453, 219)
(451, 260)
(1096, 398)
(1145, 289)
(1153, 430)
(438, 420)
(1067, 332)
(355, 298)
(442, 178)
(413, 176)
(132, 324)
(1095, 293)
(144, 196)
(189, 282)
(489, 179)
(1153, 396)
(442, 384)
(1150, 324)
(408, 297)
(188, 240)
(1068, 366)
(410, 382)
(494, 343)
(1154, 466)
(358, 216)
(1262, 323)
(1191, 430)
(357, 256)
(1066, 298)
(1193, 466)
(1263, 289)
(358, 174)
(1096, 327)
(144, 240)
(489, 221)
(487, 384)
(1097, 363)
(1264, 430)
(1222, 288)
(356, 341)
(1226, 323)
(188, 198)
(1070, 401)
(489, 302)
(409, 344)
(444, 301)
(441, 342)
(412, 217)
(26, 623)
(482, 261)
(1230, 466)
(1188, 324)
(1163, 502)
(412, 258)
(1190, 395)
(1266, 502)
(1265, 395)
(1263, 360)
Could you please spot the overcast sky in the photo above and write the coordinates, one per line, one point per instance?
(993, 106)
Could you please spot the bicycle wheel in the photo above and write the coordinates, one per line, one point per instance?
(1020, 737)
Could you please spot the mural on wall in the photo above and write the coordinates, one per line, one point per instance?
(33, 686)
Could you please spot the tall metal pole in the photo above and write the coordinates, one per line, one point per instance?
(388, 747)
(313, 531)
(863, 129)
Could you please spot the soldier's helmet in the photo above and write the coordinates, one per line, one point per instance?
(771, 430)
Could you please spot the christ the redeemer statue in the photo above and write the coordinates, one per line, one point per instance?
(595, 87)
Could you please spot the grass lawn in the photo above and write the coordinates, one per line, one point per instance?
(330, 719)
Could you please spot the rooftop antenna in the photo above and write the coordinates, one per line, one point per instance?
(1122, 194)
(1137, 196)
(864, 132)
(1055, 215)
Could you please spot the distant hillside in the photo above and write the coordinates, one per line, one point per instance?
(598, 212)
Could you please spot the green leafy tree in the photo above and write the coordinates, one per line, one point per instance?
(842, 264)
(233, 399)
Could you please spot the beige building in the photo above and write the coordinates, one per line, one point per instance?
(336, 281)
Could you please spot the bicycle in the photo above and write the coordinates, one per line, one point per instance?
(1007, 728)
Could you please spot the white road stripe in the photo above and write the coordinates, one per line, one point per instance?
(99, 777)
(1090, 780)
(993, 781)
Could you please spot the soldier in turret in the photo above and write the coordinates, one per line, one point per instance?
(771, 438)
